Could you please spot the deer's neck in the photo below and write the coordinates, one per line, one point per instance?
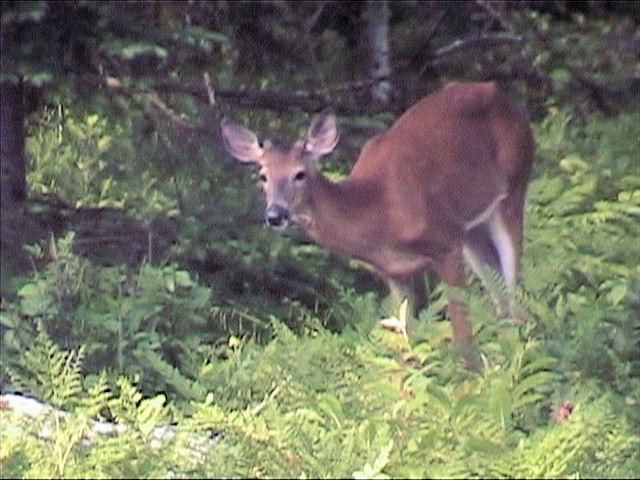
(344, 215)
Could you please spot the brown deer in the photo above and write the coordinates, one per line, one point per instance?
(445, 183)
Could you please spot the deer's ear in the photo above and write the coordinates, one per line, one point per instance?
(241, 143)
(322, 136)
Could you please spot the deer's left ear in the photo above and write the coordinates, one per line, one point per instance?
(322, 136)
(241, 143)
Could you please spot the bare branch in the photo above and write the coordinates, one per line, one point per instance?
(210, 90)
(114, 85)
(315, 16)
(279, 101)
(474, 42)
(467, 43)
(155, 100)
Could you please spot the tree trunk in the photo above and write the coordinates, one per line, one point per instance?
(376, 15)
(13, 186)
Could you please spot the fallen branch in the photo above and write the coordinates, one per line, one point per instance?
(279, 101)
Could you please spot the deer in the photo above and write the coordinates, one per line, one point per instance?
(444, 186)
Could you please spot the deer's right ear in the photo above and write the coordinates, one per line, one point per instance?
(322, 136)
(241, 143)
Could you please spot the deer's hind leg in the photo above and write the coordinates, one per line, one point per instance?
(487, 247)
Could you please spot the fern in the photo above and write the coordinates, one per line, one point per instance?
(171, 375)
(234, 321)
(130, 407)
(594, 442)
(375, 470)
(50, 373)
(54, 375)
(98, 394)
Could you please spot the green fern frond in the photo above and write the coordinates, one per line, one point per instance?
(97, 397)
(171, 375)
(50, 373)
(595, 441)
(234, 321)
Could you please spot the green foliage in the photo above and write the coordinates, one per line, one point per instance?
(568, 449)
(339, 405)
(55, 445)
(582, 246)
(121, 319)
(47, 371)
(170, 348)
(374, 471)
(90, 161)
(557, 396)
(599, 50)
(131, 408)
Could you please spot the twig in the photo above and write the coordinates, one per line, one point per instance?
(473, 42)
(258, 408)
(210, 91)
(315, 16)
(155, 100)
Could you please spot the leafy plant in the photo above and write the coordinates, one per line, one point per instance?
(135, 310)
(49, 372)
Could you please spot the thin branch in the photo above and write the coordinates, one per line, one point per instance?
(493, 12)
(279, 101)
(467, 43)
(155, 100)
(115, 86)
(310, 102)
(210, 90)
(314, 17)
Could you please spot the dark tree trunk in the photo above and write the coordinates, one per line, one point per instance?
(12, 160)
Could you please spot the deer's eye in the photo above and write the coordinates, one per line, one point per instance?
(301, 175)
(263, 178)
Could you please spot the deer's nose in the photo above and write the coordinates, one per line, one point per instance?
(277, 216)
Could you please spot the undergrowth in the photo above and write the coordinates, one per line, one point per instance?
(246, 393)
(333, 405)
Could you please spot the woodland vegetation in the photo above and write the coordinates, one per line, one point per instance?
(141, 288)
